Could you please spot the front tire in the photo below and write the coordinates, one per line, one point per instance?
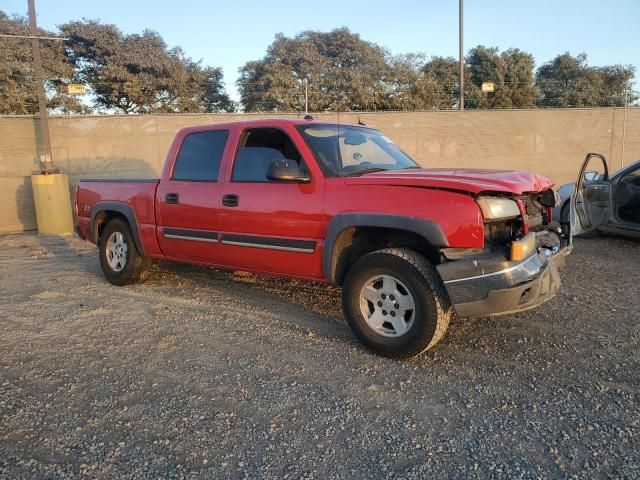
(119, 259)
(395, 302)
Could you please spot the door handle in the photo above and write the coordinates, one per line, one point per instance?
(230, 200)
(171, 198)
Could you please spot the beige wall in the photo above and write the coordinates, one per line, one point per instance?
(551, 142)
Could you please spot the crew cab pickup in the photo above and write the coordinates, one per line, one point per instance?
(342, 204)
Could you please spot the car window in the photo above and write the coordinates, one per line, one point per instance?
(252, 162)
(200, 156)
(258, 148)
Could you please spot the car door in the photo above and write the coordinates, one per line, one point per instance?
(591, 199)
(188, 199)
(625, 187)
(268, 226)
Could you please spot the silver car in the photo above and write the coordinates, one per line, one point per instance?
(601, 201)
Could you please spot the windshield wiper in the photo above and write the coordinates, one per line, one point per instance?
(364, 170)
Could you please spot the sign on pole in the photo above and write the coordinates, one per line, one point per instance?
(487, 87)
(75, 89)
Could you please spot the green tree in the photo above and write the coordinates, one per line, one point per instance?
(343, 72)
(214, 96)
(511, 73)
(410, 88)
(138, 73)
(445, 73)
(18, 95)
(568, 81)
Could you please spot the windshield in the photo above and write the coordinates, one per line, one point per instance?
(345, 150)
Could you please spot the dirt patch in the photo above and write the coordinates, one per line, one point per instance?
(200, 373)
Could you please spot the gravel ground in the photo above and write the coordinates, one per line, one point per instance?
(203, 374)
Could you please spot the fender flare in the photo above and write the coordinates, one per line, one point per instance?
(121, 208)
(429, 230)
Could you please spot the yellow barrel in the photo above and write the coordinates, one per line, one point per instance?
(53, 204)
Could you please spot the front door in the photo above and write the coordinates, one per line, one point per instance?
(268, 226)
(627, 200)
(591, 199)
(188, 201)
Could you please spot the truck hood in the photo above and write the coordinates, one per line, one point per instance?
(473, 181)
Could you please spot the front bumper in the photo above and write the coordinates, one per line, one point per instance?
(492, 285)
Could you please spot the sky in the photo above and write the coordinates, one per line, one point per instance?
(229, 33)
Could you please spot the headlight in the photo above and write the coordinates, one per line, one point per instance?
(496, 208)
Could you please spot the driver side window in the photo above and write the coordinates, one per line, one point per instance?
(258, 148)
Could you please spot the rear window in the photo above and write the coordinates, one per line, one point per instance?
(200, 156)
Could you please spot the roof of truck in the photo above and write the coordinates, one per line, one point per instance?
(275, 122)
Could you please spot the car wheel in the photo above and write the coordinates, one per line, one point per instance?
(119, 259)
(395, 302)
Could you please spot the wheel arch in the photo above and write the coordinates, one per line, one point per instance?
(351, 235)
(103, 212)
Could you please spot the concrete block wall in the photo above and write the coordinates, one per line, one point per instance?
(550, 142)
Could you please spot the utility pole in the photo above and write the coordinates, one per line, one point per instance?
(306, 96)
(624, 120)
(46, 160)
(461, 35)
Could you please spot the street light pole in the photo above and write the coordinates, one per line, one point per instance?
(46, 161)
(461, 34)
(306, 96)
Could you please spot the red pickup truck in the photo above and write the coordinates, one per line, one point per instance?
(342, 204)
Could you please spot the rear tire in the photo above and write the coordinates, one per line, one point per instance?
(119, 259)
(396, 303)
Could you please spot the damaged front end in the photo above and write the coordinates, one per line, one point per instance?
(518, 268)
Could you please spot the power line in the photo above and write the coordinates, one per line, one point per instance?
(32, 37)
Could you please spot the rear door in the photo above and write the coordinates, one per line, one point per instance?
(591, 199)
(188, 199)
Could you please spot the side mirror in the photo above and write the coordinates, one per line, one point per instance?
(591, 176)
(285, 170)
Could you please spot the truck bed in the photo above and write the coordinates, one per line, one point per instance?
(136, 193)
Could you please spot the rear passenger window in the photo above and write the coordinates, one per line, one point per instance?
(200, 155)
